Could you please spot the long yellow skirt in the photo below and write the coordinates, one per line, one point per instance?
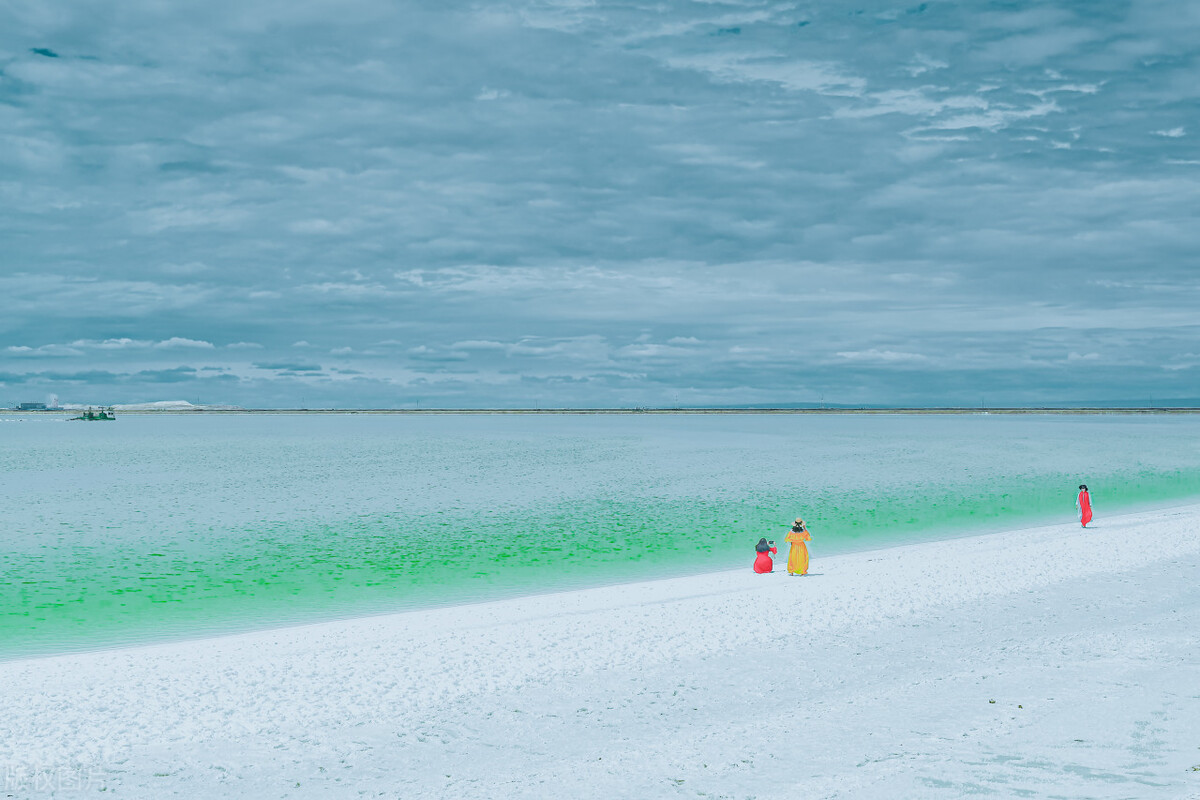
(798, 559)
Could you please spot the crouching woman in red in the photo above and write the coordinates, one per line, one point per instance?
(763, 562)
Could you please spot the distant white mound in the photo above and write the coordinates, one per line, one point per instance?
(157, 405)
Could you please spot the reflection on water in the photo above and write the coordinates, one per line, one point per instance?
(176, 525)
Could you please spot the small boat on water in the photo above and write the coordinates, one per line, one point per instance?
(103, 415)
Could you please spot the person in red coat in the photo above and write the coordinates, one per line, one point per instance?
(763, 562)
(1084, 504)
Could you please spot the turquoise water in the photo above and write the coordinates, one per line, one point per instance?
(171, 526)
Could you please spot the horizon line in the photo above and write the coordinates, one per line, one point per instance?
(1084, 409)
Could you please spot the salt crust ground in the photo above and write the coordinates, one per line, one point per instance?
(872, 678)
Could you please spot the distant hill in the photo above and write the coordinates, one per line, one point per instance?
(158, 405)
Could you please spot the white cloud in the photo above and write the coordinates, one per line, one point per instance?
(913, 102)
(884, 356)
(190, 268)
(216, 216)
(180, 342)
(350, 290)
(46, 350)
(995, 117)
(796, 76)
(649, 350)
(478, 344)
(710, 156)
(114, 344)
(1183, 361)
(923, 63)
(323, 227)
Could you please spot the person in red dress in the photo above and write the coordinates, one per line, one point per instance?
(763, 562)
(1084, 504)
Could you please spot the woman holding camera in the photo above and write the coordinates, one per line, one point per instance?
(763, 562)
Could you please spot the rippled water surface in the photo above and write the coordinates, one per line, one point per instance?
(167, 526)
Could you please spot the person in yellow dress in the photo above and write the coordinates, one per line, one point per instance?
(798, 555)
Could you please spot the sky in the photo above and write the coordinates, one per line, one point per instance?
(575, 203)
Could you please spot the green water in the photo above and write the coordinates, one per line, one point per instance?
(72, 586)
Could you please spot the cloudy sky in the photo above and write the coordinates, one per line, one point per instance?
(571, 202)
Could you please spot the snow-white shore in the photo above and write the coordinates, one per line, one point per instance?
(874, 677)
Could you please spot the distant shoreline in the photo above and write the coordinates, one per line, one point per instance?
(628, 411)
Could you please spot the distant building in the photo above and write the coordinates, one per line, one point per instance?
(31, 407)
